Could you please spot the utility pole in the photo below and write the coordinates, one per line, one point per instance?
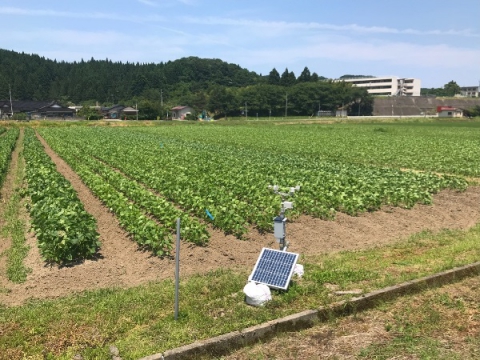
(246, 111)
(10, 93)
(161, 97)
(286, 104)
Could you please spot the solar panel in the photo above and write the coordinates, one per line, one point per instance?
(274, 268)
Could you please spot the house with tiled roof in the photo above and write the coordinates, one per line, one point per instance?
(34, 109)
(118, 112)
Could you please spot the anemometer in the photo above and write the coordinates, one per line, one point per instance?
(279, 222)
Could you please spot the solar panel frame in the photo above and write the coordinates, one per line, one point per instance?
(274, 268)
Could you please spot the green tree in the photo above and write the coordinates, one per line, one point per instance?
(472, 112)
(148, 110)
(305, 76)
(221, 101)
(451, 88)
(361, 103)
(199, 101)
(288, 78)
(151, 94)
(432, 92)
(90, 113)
(274, 77)
(262, 99)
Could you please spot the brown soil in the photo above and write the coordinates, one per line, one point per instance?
(122, 264)
(5, 195)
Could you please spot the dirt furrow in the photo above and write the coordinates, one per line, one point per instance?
(5, 194)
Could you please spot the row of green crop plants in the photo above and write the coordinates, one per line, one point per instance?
(7, 144)
(441, 147)
(150, 219)
(64, 230)
(230, 182)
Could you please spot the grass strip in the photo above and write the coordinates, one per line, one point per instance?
(15, 226)
(139, 321)
(6, 148)
(438, 323)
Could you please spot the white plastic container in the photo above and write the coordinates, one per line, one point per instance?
(257, 294)
(298, 270)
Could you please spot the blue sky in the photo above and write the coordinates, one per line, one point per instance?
(433, 40)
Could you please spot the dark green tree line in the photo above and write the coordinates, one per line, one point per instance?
(223, 89)
(450, 89)
(305, 98)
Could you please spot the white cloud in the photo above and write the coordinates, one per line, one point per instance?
(244, 48)
(72, 45)
(148, 2)
(154, 3)
(276, 26)
(393, 55)
(187, 2)
(256, 45)
(264, 27)
(79, 15)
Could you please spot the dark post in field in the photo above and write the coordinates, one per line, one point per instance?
(177, 268)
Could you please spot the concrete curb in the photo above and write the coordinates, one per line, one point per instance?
(224, 344)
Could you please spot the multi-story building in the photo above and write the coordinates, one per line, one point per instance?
(470, 91)
(388, 85)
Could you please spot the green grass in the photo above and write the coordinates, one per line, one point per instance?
(434, 325)
(437, 323)
(15, 227)
(139, 321)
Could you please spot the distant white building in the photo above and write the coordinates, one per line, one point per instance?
(388, 85)
(449, 111)
(180, 112)
(470, 91)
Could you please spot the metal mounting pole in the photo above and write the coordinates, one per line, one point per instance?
(11, 106)
(279, 222)
(177, 268)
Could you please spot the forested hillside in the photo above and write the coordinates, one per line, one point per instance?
(35, 78)
(205, 84)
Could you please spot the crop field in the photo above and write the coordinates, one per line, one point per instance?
(99, 203)
(197, 171)
(219, 178)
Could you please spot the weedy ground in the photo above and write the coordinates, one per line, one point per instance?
(139, 321)
(439, 323)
